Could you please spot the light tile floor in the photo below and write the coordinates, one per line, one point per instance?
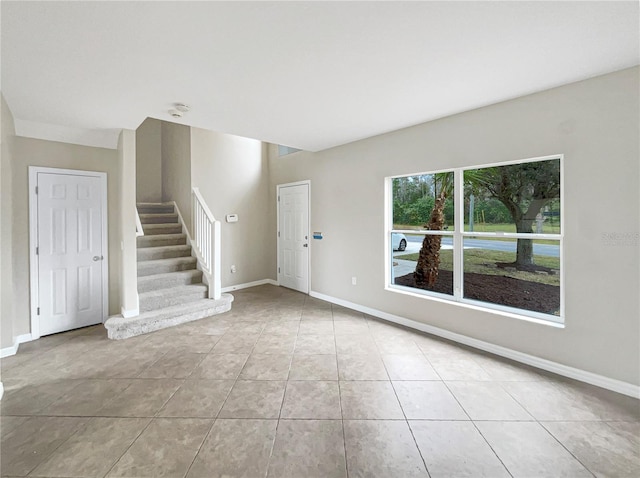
(285, 385)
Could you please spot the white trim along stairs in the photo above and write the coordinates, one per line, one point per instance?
(170, 284)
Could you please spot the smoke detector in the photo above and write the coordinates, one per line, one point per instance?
(179, 110)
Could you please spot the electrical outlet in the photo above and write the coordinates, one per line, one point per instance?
(233, 269)
(354, 280)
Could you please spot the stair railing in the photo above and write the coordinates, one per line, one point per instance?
(139, 230)
(206, 242)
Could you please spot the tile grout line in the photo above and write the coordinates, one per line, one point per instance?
(478, 429)
(491, 447)
(284, 394)
(534, 420)
(130, 445)
(213, 420)
(567, 450)
(541, 424)
(204, 439)
(344, 434)
(466, 413)
(58, 447)
(151, 365)
(406, 420)
(153, 418)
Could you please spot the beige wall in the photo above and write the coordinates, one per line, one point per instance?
(594, 123)
(176, 167)
(232, 175)
(126, 224)
(149, 161)
(6, 227)
(34, 152)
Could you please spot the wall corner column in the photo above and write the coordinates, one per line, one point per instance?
(127, 202)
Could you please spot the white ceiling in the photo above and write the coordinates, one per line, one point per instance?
(307, 74)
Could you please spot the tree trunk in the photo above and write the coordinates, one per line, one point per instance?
(524, 248)
(429, 259)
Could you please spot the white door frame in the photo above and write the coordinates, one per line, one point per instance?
(33, 240)
(278, 187)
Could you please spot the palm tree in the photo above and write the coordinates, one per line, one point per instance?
(428, 265)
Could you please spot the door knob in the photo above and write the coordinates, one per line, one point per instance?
(97, 258)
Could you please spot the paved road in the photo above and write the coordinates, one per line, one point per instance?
(414, 243)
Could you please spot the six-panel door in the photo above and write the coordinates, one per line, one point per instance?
(294, 237)
(70, 256)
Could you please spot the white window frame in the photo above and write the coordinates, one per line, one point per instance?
(458, 235)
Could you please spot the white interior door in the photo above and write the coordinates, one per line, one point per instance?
(293, 231)
(69, 251)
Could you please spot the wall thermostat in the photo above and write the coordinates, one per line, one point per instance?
(317, 235)
(232, 217)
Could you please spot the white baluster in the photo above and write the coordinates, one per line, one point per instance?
(206, 234)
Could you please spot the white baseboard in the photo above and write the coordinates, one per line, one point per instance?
(24, 338)
(130, 313)
(9, 351)
(13, 349)
(249, 284)
(582, 375)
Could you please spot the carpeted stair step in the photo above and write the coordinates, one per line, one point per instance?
(160, 299)
(160, 240)
(171, 279)
(162, 266)
(167, 218)
(155, 208)
(120, 328)
(155, 229)
(163, 252)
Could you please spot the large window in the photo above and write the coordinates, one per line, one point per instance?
(488, 236)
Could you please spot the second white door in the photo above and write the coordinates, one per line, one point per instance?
(293, 235)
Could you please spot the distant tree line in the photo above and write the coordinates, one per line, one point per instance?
(416, 212)
(414, 199)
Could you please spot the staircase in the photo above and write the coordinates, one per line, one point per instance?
(170, 286)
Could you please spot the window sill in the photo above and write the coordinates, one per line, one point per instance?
(472, 305)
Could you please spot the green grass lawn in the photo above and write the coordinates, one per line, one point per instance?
(547, 228)
(483, 262)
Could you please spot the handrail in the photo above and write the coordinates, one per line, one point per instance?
(206, 242)
(203, 204)
(139, 230)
